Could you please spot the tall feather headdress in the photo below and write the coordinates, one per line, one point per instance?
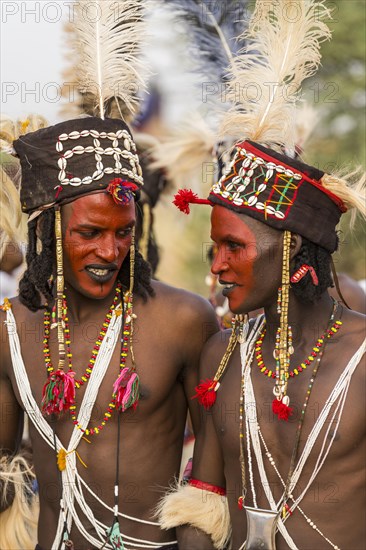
(188, 151)
(106, 56)
(282, 49)
(212, 30)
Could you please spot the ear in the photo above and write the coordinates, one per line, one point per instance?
(295, 245)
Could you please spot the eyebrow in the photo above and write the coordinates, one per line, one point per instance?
(228, 237)
(97, 226)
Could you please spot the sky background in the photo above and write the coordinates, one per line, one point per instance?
(33, 48)
(31, 57)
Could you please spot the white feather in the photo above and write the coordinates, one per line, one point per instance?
(284, 38)
(186, 155)
(107, 42)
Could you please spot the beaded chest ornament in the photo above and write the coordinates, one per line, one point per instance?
(59, 397)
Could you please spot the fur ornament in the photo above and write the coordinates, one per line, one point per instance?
(186, 505)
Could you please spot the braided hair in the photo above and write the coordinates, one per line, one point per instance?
(36, 280)
(319, 258)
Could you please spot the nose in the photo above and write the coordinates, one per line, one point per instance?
(108, 249)
(219, 263)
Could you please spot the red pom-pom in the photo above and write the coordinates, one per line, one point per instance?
(283, 411)
(183, 199)
(205, 393)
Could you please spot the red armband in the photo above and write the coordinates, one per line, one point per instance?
(207, 486)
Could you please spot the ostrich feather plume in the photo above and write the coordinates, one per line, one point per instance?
(212, 28)
(106, 48)
(186, 154)
(282, 49)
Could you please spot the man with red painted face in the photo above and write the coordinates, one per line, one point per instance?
(279, 461)
(101, 358)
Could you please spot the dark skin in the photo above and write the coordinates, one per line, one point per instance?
(170, 330)
(336, 499)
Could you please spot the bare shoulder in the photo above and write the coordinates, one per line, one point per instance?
(353, 332)
(23, 317)
(182, 305)
(213, 352)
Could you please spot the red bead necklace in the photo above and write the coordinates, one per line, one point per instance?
(126, 387)
(302, 366)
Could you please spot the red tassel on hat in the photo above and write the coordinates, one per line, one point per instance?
(282, 410)
(206, 393)
(185, 197)
(58, 393)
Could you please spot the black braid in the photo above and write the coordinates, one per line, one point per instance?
(319, 258)
(35, 281)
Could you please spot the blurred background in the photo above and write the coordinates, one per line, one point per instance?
(33, 63)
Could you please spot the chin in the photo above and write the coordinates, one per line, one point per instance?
(96, 291)
(242, 308)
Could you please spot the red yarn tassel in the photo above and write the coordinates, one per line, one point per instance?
(283, 411)
(185, 197)
(58, 393)
(206, 393)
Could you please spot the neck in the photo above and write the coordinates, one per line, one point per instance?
(81, 307)
(308, 321)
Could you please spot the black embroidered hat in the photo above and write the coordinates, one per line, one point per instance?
(280, 191)
(77, 157)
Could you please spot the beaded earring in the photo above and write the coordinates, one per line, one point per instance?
(126, 389)
(58, 393)
(283, 346)
(302, 271)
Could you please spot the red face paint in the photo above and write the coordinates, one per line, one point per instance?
(248, 259)
(96, 239)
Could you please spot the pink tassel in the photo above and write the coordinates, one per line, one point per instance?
(126, 390)
(58, 393)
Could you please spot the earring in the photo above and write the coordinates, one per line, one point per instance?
(302, 271)
(283, 346)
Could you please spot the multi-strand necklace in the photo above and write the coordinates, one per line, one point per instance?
(301, 366)
(125, 388)
(246, 438)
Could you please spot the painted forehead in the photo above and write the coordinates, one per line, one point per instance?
(225, 221)
(99, 207)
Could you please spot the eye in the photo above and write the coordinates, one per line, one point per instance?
(90, 234)
(125, 232)
(232, 245)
